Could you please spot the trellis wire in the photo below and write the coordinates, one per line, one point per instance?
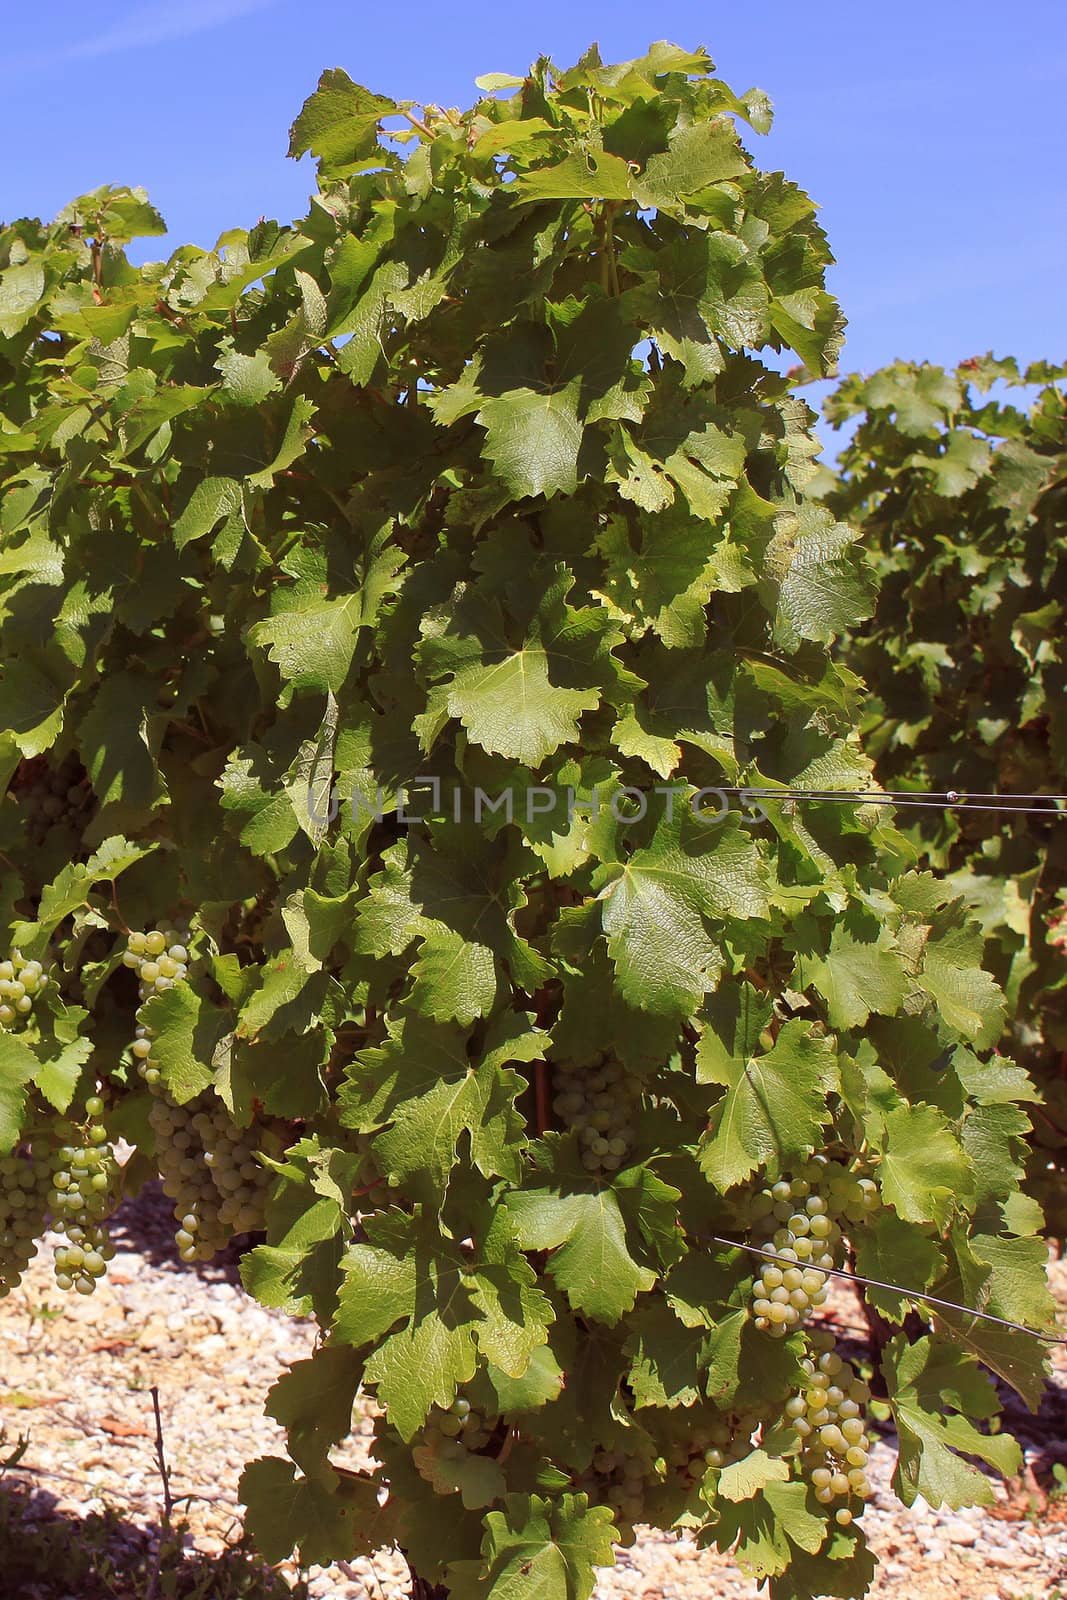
(895, 1288)
(934, 800)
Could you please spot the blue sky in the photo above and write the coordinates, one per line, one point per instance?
(930, 134)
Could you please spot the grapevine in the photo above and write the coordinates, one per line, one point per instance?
(455, 565)
(949, 480)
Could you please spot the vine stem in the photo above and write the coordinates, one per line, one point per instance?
(165, 1530)
(416, 122)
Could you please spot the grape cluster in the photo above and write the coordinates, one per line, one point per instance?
(448, 1435)
(827, 1418)
(25, 1179)
(709, 1446)
(210, 1171)
(620, 1479)
(160, 958)
(53, 797)
(728, 1439)
(801, 1216)
(599, 1102)
(21, 981)
(84, 1192)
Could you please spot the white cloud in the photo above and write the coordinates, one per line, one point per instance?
(149, 25)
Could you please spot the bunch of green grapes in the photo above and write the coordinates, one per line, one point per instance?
(160, 958)
(729, 1438)
(56, 796)
(827, 1418)
(25, 1180)
(851, 1193)
(147, 1064)
(21, 981)
(708, 1447)
(209, 1169)
(622, 1480)
(84, 1193)
(600, 1102)
(801, 1217)
(449, 1434)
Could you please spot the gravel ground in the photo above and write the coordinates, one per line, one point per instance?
(79, 1384)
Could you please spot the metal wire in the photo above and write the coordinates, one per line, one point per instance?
(946, 800)
(894, 1288)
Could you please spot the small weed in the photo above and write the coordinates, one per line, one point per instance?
(44, 1313)
(20, 1400)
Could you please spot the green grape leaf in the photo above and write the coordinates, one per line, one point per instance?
(18, 1069)
(857, 976)
(747, 1477)
(313, 1402)
(454, 902)
(59, 1070)
(187, 1030)
(1009, 1279)
(429, 1310)
(339, 123)
(821, 587)
(774, 1107)
(966, 997)
(477, 1479)
(658, 907)
(423, 1086)
(925, 1173)
(31, 707)
(522, 703)
(312, 638)
(599, 1236)
(538, 1549)
(934, 1394)
(532, 439)
(324, 1520)
(895, 1251)
(669, 1358)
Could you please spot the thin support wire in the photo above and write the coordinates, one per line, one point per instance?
(893, 1288)
(947, 800)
